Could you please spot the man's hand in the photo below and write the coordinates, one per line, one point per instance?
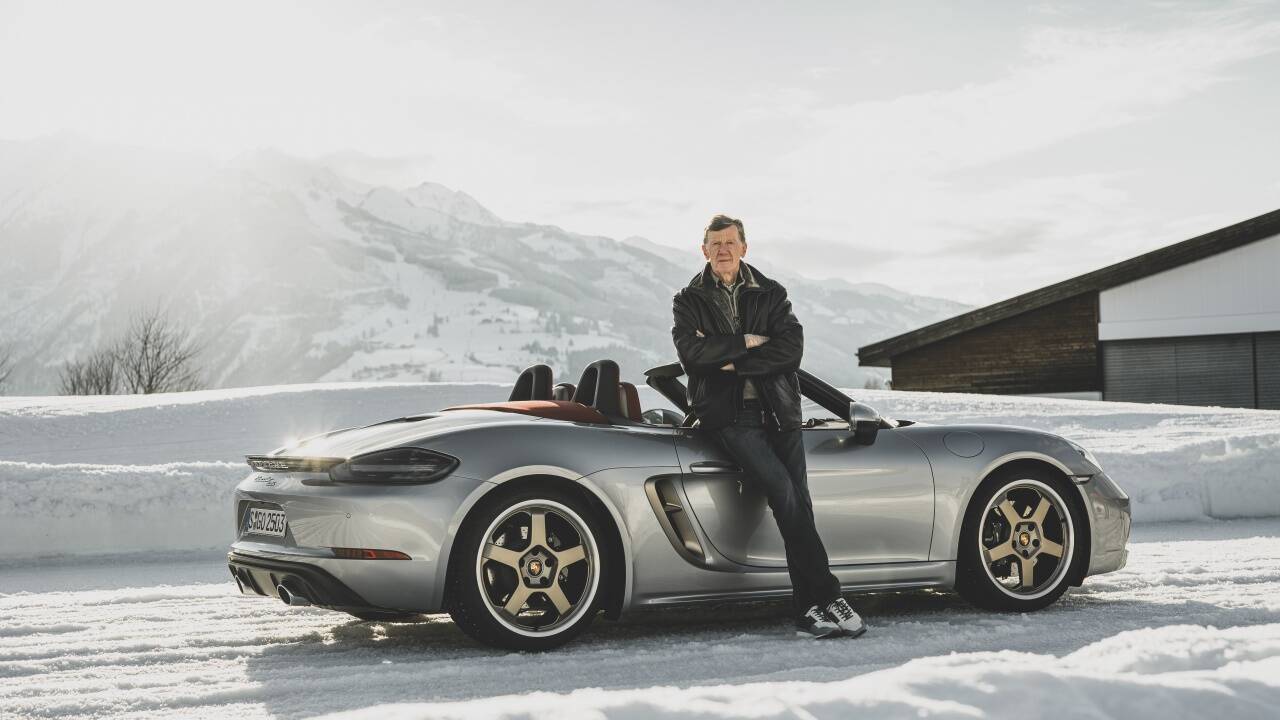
(729, 366)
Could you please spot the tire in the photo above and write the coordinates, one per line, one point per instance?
(519, 584)
(999, 542)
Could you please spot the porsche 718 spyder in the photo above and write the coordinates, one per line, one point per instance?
(525, 519)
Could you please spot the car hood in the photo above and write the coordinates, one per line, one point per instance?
(414, 429)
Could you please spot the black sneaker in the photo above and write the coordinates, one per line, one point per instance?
(816, 623)
(848, 620)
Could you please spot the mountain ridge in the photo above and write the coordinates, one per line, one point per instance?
(287, 271)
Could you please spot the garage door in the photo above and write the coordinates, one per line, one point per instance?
(1268, 357)
(1140, 371)
(1204, 370)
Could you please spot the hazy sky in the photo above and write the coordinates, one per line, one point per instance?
(966, 150)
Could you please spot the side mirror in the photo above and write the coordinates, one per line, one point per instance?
(663, 416)
(865, 421)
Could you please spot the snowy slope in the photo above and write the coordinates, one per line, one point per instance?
(120, 474)
(1189, 629)
(287, 271)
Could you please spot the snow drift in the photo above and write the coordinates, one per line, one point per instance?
(138, 473)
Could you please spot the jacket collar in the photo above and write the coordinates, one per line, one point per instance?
(751, 277)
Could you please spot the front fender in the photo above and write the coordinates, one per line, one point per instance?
(956, 477)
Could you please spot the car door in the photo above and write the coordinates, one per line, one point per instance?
(873, 503)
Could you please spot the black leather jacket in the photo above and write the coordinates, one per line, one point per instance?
(764, 309)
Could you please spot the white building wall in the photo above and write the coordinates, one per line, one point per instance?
(1236, 291)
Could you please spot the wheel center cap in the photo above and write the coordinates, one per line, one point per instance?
(535, 567)
(1025, 538)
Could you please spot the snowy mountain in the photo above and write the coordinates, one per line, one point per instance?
(287, 271)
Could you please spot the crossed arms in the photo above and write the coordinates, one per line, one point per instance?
(750, 355)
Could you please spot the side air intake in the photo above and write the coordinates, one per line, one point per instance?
(674, 518)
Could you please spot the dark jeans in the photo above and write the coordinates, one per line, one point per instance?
(774, 463)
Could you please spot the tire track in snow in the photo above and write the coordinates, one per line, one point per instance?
(201, 650)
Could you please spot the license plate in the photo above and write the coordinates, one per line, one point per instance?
(265, 522)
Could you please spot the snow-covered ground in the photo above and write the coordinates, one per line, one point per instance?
(1189, 629)
(89, 627)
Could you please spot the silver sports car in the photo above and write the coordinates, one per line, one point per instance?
(523, 519)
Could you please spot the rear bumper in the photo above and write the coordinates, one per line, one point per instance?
(264, 576)
(419, 521)
(399, 585)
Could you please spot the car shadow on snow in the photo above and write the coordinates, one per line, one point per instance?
(359, 664)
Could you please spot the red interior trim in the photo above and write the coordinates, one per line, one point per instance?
(554, 409)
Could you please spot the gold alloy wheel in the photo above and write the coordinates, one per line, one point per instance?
(1026, 539)
(537, 567)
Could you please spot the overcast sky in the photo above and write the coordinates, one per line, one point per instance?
(965, 150)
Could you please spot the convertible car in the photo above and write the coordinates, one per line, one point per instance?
(525, 519)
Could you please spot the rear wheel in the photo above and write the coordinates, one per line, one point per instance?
(1018, 546)
(528, 570)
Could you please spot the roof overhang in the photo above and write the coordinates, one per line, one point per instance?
(881, 354)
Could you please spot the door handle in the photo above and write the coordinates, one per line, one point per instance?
(712, 466)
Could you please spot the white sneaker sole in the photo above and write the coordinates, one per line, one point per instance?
(855, 633)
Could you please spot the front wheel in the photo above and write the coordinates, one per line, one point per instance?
(528, 571)
(1018, 545)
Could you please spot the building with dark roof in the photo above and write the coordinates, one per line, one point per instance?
(1194, 323)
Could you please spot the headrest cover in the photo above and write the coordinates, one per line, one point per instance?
(629, 399)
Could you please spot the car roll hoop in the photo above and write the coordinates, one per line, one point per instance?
(598, 388)
(534, 383)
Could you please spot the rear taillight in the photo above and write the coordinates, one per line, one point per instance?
(284, 463)
(368, 554)
(398, 466)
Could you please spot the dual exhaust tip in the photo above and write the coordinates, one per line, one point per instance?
(289, 597)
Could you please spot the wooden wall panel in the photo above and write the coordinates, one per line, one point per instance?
(1050, 349)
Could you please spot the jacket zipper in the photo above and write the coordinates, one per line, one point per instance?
(718, 316)
(723, 323)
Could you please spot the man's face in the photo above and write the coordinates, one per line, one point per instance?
(724, 249)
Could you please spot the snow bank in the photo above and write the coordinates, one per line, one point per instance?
(1179, 671)
(210, 425)
(138, 473)
(71, 508)
(1176, 462)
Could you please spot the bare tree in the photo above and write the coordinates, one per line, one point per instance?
(6, 364)
(155, 355)
(95, 375)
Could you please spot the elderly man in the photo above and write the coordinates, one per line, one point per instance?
(740, 344)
